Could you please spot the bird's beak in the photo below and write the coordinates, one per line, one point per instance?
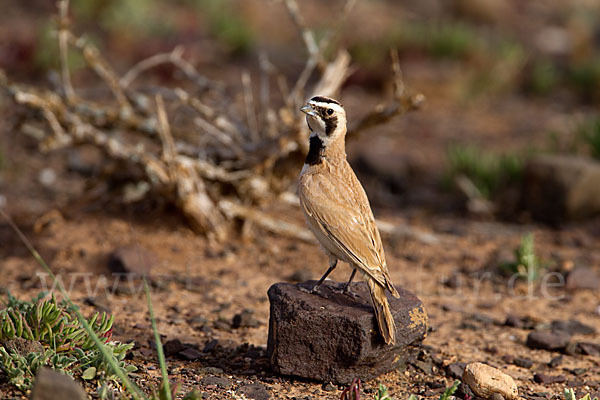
(308, 110)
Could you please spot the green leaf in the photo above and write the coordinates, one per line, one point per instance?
(89, 373)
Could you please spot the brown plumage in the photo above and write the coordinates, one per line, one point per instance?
(337, 209)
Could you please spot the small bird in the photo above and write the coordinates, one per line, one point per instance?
(337, 209)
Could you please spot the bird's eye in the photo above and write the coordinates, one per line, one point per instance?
(329, 111)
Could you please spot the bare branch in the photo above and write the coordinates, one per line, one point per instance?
(63, 46)
(250, 109)
(265, 221)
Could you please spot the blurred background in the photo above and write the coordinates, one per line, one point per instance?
(504, 80)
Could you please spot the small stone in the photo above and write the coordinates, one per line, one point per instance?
(583, 278)
(464, 392)
(51, 385)
(172, 347)
(189, 353)
(555, 362)
(245, 319)
(548, 340)
(561, 187)
(22, 346)
(548, 379)
(217, 381)
(485, 380)
(255, 391)
(132, 259)
(425, 366)
(328, 387)
(519, 322)
(496, 396)
(589, 349)
(210, 346)
(572, 327)
(333, 337)
(456, 370)
(523, 362)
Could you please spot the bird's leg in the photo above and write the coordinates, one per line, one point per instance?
(349, 281)
(332, 264)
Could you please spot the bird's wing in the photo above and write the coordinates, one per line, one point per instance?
(337, 210)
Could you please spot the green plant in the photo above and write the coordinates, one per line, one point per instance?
(382, 393)
(450, 390)
(488, 171)
(589, 132)
(570, 395)
(543, 77)
(527, 264)
(65, 344)
(104, 357)
(451, 40)
(226, 24)
(584, 77)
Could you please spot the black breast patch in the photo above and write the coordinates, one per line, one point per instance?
(314, 155)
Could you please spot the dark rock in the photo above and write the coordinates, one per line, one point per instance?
(523, 362)
(583, 278)
(255, 391)
(189, 353)
(173, 346)
(558, 188)
(328, 387)
(132, 259)
(215, 381)
(555, 362)
(22, 346)
(210, 346)
(52, 385)
(508, 359)
(496, 396)
(572, 327)
(245, 319)
(589, 349)
(519, 322)
(334, 337)
(464, 392)
(548, 340)
(548, 379)
(425, 366)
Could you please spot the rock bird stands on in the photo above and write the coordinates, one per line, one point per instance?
(337, 209)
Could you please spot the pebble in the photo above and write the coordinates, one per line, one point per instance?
(555, 362)
(189, 353)
(588, 349)
(548, 340)
(50, 385)
(496, 396)
(523, 362)
(255, 391)
(172, 347)
(485, 380)
(245, 319)
(572, 327)
(456, 370)
(218, 381)
(328, 387)
(548, 379)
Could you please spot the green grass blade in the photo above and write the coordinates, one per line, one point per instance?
(159, 349)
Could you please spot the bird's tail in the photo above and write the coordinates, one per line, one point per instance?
(383, 314)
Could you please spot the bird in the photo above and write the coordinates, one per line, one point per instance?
(337, 209)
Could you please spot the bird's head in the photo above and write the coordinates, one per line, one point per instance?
(325, 117)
